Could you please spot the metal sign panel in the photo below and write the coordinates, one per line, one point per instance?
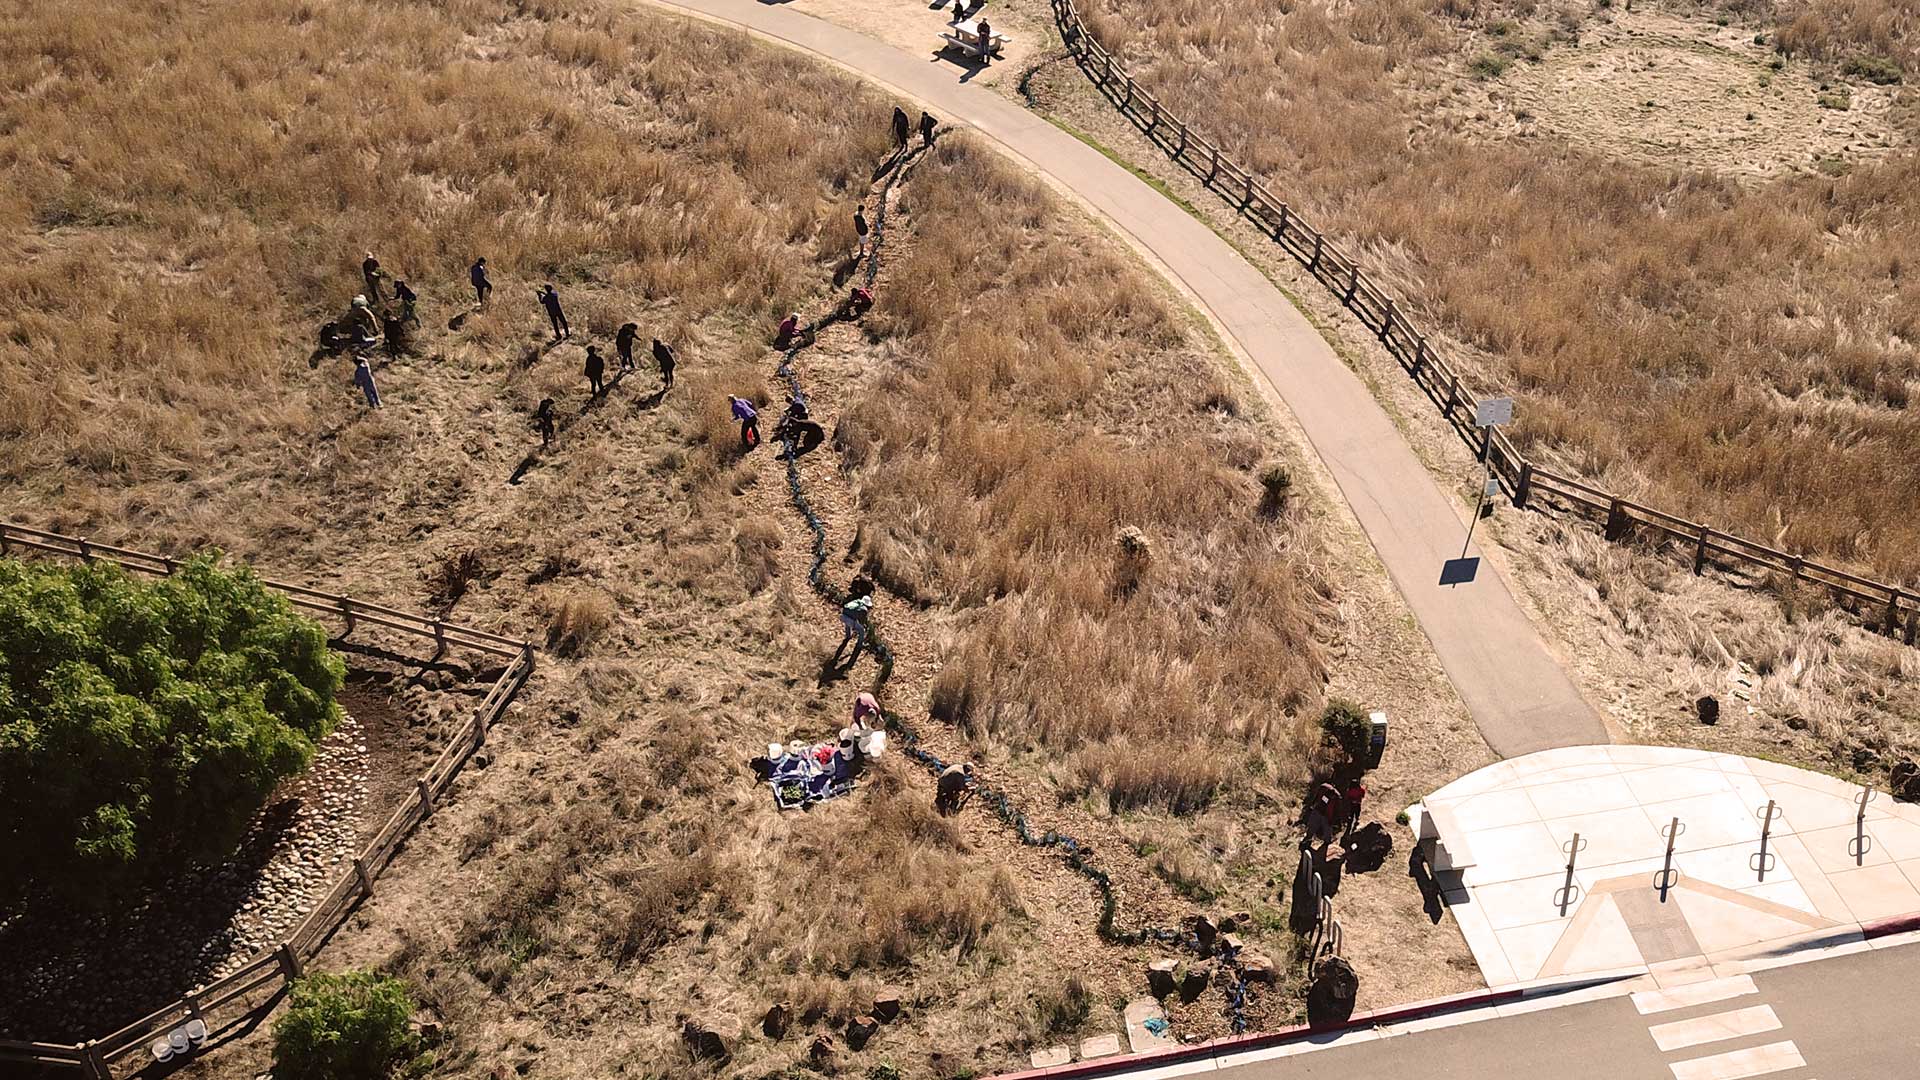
(1493, 412)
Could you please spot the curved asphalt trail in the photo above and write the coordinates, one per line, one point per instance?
(1516, 691)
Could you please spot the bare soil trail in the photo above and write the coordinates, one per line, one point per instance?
(1506, 672)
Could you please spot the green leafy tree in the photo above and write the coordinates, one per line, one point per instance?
(145, 721)
(1349, 728)
(355, 1025)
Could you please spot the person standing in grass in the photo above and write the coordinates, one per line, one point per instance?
(860, 228)
(927, 124)
(407, 297)
(482, 285)
(543, 422)
(855, 615)
(596, 369)
(370, 270)
(623, 344)
(363, 378)
(900, 127)
(749, 418)
(550, 299)
(663, 355)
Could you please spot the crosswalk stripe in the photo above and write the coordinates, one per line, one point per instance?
(1727, 1025)
(1736, 1064)
(1700, 993)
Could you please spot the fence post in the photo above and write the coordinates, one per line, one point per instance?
(1183, 141)
(1249, 199)
(1700, 551)
(1524, 485)
(1155, 121)
(1795, 565)
(1318, 241)
(1616, 520)
(96, 1062)
(1353, 283)
(1893, 612)
(426, 794)
(1386, 323)
(1453, 393)
(1213, 165)
(1282, 232)
(289, 963)
(1913, 625)
(86, 550)
(1419, 358)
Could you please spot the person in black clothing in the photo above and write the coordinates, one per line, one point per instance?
(927, 124)
(860, 228)
(370, 269)
(900, 127)
(543, 422)
(663, 355)
(406, 296)
(482, 286)
(986, 42)
(623, 344)
(596, 368)
(550, 299)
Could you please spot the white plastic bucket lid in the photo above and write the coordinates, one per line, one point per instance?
(162, 1050)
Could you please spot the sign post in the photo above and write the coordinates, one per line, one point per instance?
(1488, 414)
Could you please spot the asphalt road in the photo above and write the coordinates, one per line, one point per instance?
(1510, 681)
(1846, 1018)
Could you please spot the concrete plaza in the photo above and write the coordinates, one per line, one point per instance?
(1502, 837)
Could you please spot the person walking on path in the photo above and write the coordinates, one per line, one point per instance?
(363, 378)
(370, 270)
(950, 791)
(860, 229)
(855, 615)
(596, 369)
(623, 344)
(859, 301)
(663, 355)
(482, 285)
(543, 422)
(407, 297)
(550, 299)
(900, 127)
(749, 418)
(927, 124)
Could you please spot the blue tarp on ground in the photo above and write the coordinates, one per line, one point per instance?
(800, 779)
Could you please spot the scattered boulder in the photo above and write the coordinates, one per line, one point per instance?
(1330, 998)
(1205, 930)
(1163, 977)
(822, 1050)
(1258, 967)
(1193, 984)
(774, 1024)
(860, 1030)
(1797, 723)
(1865, 758)
(704, 1043)
(1232, 942)
(886, 1006)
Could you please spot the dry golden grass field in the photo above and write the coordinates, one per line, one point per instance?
(190, 189)
(1722, 324)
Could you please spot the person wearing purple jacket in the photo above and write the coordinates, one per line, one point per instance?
(749, 418)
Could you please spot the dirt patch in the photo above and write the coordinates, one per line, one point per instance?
(1654, 88)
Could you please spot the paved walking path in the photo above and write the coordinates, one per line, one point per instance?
(1511, 684)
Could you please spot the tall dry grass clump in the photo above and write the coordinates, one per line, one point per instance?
(1741, 355)
(1048, 397)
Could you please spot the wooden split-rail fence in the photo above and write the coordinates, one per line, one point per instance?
(1892, 609)
(234, 995)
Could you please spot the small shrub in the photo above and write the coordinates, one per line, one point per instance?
(1875, 69)
(1348, 728)
(450, 576)
(1839, 99)
(1488, 66)
(1134, 559)
(1276, 486)
(1061, 1008)
(354, 1024)
(576, 619)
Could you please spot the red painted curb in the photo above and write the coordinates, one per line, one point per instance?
(1898, 924)
(1235, 1044)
